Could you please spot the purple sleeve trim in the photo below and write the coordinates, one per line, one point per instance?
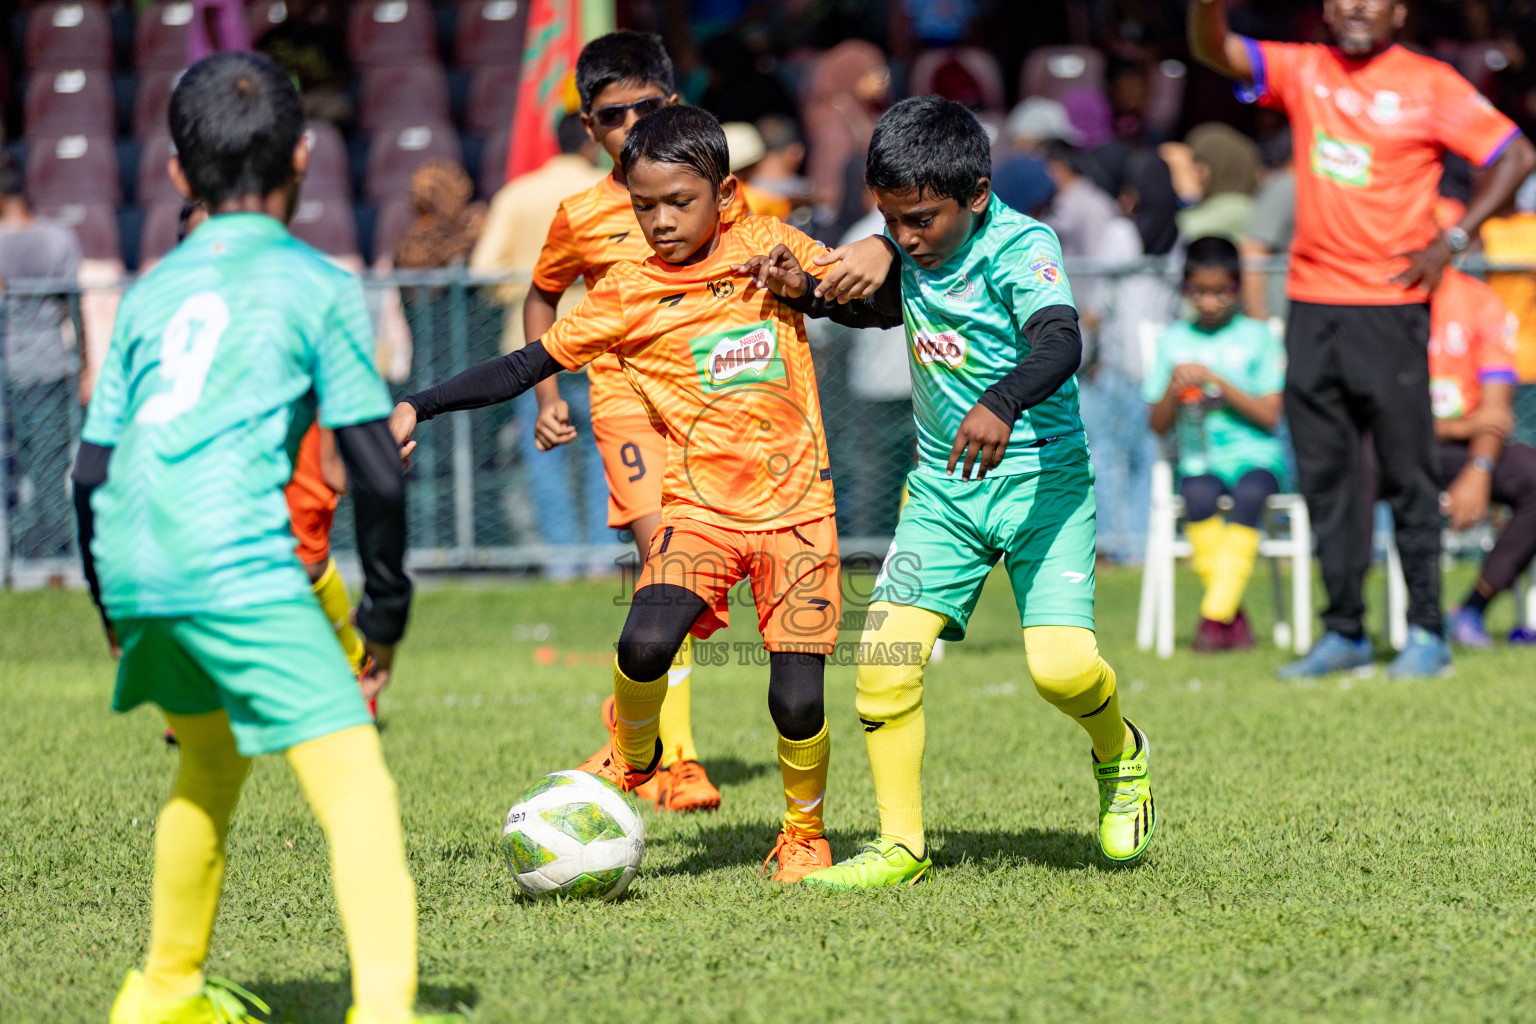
(1493, 157)
(1259, 88)
(1497, 375)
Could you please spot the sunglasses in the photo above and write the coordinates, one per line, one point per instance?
(612, 117)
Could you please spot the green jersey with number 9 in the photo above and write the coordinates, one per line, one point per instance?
(965, 328)
(218, 359)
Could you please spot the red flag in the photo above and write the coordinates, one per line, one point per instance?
(553, 41)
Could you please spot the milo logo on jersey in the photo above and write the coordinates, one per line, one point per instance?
(742, 355)
(1348, 163)
(947, 347)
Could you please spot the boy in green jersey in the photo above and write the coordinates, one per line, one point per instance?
(993, 346)
(218, 360)
(1216, 382)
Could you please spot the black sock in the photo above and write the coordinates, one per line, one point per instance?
(1475, 601)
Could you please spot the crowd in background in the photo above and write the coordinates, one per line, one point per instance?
(1102, 127)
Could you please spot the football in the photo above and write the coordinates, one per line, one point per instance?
(573, 834)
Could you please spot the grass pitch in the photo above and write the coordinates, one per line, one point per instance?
(1350, 850)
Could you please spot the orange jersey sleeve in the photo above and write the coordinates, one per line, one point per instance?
(594, 327)
(1465, 123)
(561, 261)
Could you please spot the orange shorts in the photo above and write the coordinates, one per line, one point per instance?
(311, 502)
(634, 460)
(795, 573)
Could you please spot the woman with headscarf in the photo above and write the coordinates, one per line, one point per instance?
(848, 91)
(446, 225)
(1226, 163)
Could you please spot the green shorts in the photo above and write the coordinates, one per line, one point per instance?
(276, 668)
(952, 533)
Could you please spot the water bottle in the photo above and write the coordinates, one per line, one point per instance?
(1189, 429)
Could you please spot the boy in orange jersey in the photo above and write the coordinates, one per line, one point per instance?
(725, 374)
(620, 77)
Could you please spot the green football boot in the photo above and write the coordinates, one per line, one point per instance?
(1127, 815)
(220, 1002)
(879, 864)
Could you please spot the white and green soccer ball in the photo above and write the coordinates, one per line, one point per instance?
(573, 834)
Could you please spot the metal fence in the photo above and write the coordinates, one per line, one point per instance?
(481, 497)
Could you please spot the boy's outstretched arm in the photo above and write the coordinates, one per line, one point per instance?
(781, 273)
(378, 500)
(495, 380)
(1055, 352)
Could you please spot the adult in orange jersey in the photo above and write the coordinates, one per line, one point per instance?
(1369, 121)
(726, 375)
(620, 77)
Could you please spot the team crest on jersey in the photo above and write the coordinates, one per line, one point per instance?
(962, 289)
(947, 347)
(1386, 107)
(1046, 269)
(722, 288)
(742, 355)
(1348, 163)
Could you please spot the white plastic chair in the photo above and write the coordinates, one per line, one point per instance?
(1523, 593)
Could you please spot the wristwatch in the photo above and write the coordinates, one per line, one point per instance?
(1457, 239)
(1483, 464)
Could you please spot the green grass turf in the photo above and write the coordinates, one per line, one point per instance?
(1347, 850)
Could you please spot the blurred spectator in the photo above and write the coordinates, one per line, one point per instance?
(1216, 384)
(1037, 121)
(936, 24)
(1090, 114)
(515, 229)
(1081, 211)
(1226, 163)
(1269, 236)
(311, 45)
(849, 89)
(1472, 384)
(1128, 94)
(1022, 183)
(37, 371)
(1510, 239)
(746, 149)
(783, 157)
(217, 26)
(739, 90)
(447, 223)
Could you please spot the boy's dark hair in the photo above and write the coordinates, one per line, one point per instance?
(12, 179)
(679, 135)
(622, 56)
(929, 144)
(571, 134)
(235, 119)
(1212, 252)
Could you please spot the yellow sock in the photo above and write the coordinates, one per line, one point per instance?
(1233, 567)
(638, 708)
(803, 764)
(890, 704)
(676, 721)
(353, 797)
(1070, 674)
(332, 593)
(1206, 537)
(189, 853)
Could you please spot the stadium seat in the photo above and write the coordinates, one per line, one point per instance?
(161, 224)
(394, 217)
(493, 162)
(402, 94)
(383, 32)
(492, 99)
(396, 152)
(263, 16)
(154, 182)
(981, 66)
(330, 176)
(152, 102)
(73, 169)
(1054, 71)
(69, 35)
(160, 40)
(94, 224)
(491, 33)
(327, 225)
(69, 101)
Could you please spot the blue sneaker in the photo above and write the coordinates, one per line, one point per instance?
(1522, 635)
(1425, 655)
(1335, 652)
(1467, 629)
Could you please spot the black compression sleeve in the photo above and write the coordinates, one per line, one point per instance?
(1055, 352)
(90, 473)
(377, 487)
(882, 309)
(495, 380)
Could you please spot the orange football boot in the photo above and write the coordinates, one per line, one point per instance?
(680, 786)
(798, 856)
(650, 790)
(609, 764)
